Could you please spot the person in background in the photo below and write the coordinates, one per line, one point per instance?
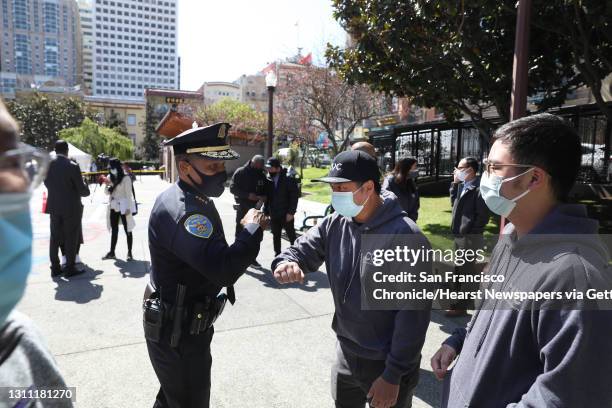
(469, 218)
(281, 205)
(401, 182)
(121, 205)
(93, 168)
(66, 187)
(365, 147)
(248, 186)
(25, 360)
(535, 354)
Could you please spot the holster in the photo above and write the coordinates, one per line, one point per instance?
(204, 314)
(153, 315)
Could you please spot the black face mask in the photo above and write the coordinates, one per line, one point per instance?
(210, 186)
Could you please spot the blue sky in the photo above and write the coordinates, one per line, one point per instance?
(219, 40)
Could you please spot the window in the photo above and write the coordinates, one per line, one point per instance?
(23, 64)
(131, 120)
(20, 14)
(50, 17)
(51, 52)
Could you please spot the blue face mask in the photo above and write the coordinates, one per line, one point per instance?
(490, 189)
(344, 204)
(16, 254)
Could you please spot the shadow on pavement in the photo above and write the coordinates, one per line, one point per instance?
(79, 289)
(448, 324)
(313, 282)
(133, 269)
(429, 389)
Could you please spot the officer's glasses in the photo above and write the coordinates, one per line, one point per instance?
(22, 169)
(493, 167)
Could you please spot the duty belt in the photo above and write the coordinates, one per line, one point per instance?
(198, 316)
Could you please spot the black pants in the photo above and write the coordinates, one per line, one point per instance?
(353, 376)
(65, 232)
(63, 250)
(114, 222)
(277, 225)
(183, 372)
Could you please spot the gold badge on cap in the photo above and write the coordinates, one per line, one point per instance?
(222, 132)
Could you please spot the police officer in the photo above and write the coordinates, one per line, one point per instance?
(190, 264)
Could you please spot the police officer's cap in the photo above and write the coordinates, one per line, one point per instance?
(210, 142)
(353, 165)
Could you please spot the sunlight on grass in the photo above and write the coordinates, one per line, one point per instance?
(315, 191)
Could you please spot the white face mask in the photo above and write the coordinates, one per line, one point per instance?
(490, 189)
(113, 172)
(462, 174)
(344, 203)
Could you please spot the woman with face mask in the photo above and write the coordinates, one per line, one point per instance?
(22, 349)
(121, 206)
(401, 182)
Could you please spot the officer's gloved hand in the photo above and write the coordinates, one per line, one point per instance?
(256, 217)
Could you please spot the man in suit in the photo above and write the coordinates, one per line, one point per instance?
(66, 187)
(282, 193)
(470, 215)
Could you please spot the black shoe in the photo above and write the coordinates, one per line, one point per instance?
(130, 257)
(255, 264)
(70, 272)
(56, 271)
(110, 255)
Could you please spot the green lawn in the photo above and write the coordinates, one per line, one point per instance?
(434, 215)
(315, 191)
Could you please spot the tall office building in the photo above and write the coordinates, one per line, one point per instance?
(135, 47)
(87, 39)
(40, 43)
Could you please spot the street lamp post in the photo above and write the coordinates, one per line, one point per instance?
(271, 84)
(521, 61)
(520, 70)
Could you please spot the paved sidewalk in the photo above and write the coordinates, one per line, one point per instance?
(274, 348)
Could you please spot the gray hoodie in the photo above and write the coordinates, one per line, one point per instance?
(539, 356)
(26, 363)
(394, 336)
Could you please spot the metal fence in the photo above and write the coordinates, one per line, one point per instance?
(438, 146)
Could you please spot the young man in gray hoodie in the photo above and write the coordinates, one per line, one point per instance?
(378, 351)
(539, 353)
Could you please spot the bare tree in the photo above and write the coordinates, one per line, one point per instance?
(319, 100)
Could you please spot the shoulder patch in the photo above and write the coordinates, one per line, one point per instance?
(198, 225)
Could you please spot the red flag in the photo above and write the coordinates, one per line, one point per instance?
(307, 60)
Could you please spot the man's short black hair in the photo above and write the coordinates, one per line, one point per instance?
(472, 162)
(61, 147)
(548, 142)
(377, 185)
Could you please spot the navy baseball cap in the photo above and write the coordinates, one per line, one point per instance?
(273, 162)
(352, 165)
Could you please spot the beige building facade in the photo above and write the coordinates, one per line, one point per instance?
(132, 113)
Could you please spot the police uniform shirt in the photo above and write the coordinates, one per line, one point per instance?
(188, 245)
